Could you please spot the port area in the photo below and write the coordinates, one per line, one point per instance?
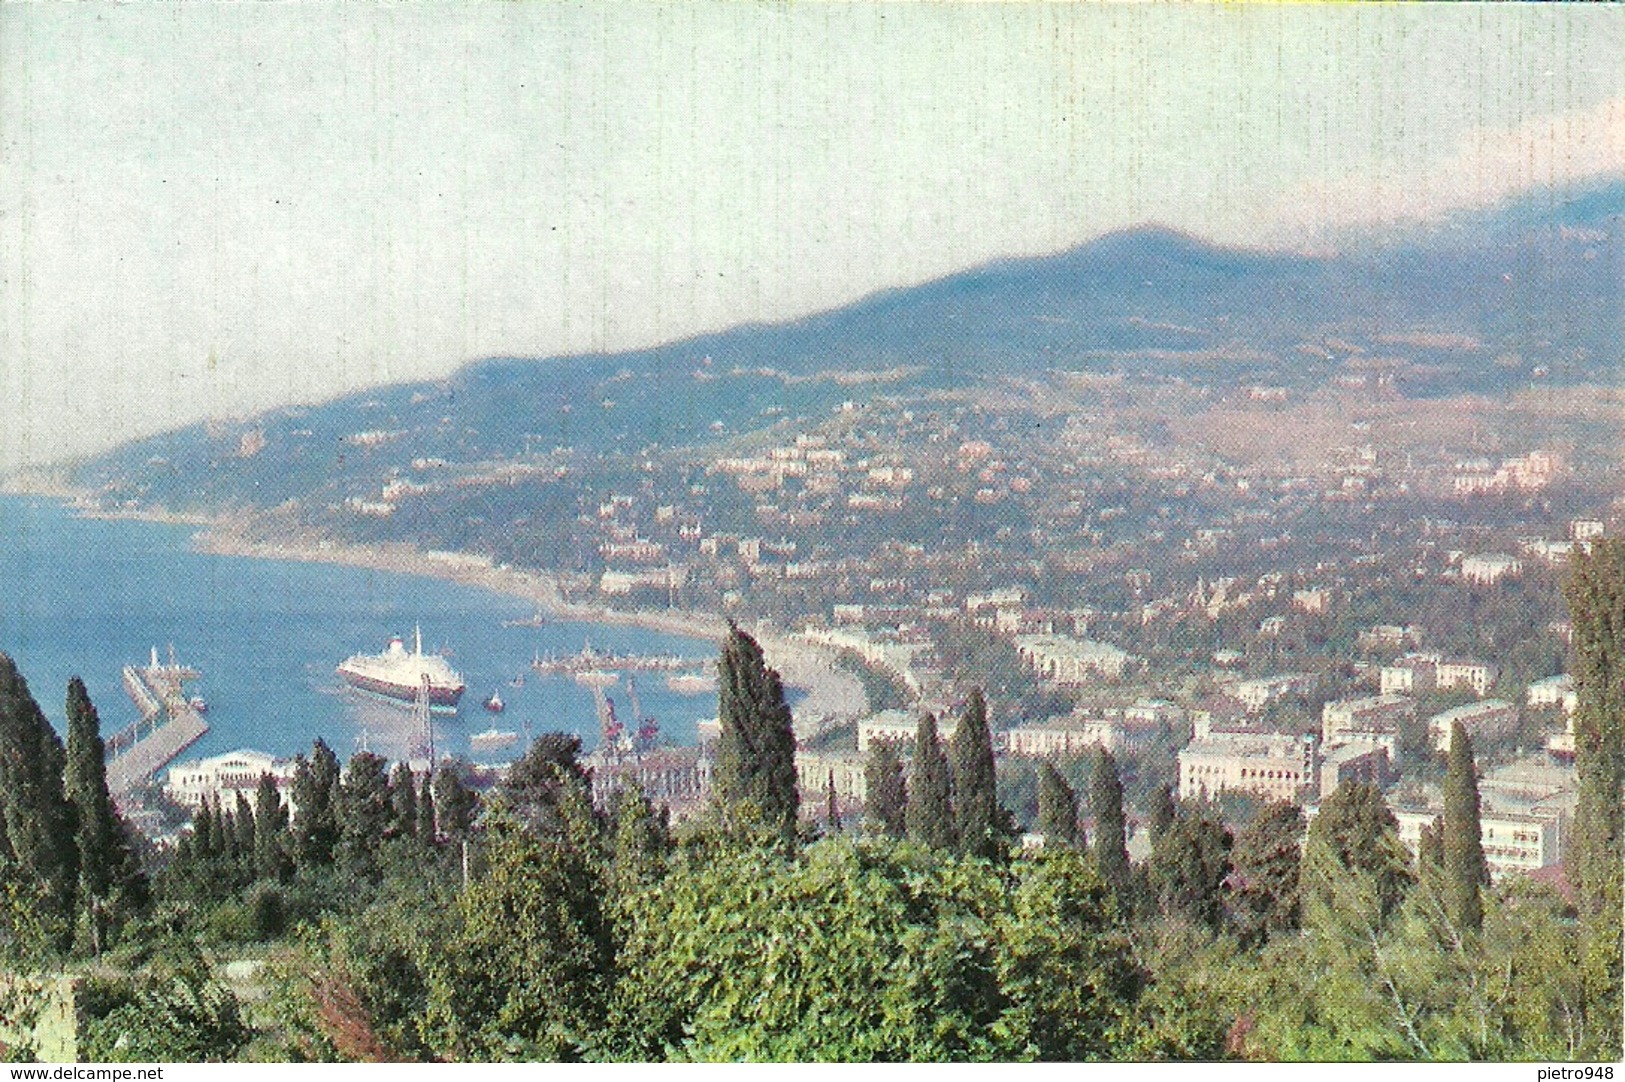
(169, 724)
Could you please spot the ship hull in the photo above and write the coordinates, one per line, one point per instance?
(442, 700)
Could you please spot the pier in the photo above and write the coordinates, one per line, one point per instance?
(169, 723)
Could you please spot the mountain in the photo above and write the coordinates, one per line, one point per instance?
(1536, 280)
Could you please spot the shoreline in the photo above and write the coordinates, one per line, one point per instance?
(833, 695)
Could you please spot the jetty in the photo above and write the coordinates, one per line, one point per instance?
(169, 723)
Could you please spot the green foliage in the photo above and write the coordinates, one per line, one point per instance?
(1066, 966)
(1190, 863)
(524, 975)
(36, 821)
(755, 778)
(455, 805)
(364, 812)
(930, 814)
(403, 802)
(535, 783)
(887, 806)
(174, 1011)
(111, 884)
(1266, 858)
(1361, 835)
(1596, 595)
(979, 823)
(1057, 807)
(315, 831)
(1111, 831)
(1465, 871)
(271, 841)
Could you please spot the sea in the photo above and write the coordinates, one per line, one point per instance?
(83, 596)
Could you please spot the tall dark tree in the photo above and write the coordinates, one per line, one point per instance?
(1465, 871)
(1111, 831)
(1191, 863)
(36, 820)
(1160, 813)
(455, 805)
(930, 816)
(832, 806)
(1362, 835)
(1430, 845)
(364, 812)
(99, 836)
(1596, 596)
(1057, 807)
(315, 828)
(536, 783)
(755, 778)
(242, 818)
(1264, 880)
(403, 801)
(887, 803)
(977, 820)
(270, 830)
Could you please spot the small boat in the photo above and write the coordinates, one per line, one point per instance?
(198, 703)
(518, 681)
(492, 739)
(495, 704)
(535, 620)
(691, 683)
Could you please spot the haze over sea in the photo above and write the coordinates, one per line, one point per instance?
(86, 596)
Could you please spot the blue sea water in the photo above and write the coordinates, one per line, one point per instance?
(83, 596)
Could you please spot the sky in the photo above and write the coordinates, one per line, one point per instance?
(211, 209)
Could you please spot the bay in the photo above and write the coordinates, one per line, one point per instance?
(86, 596)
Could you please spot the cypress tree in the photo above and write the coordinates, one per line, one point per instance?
(36, 820)
(756, 752)
(97, 835)
(1160, 814)
(1191, 863)
(228, 834)
(315, 828)
(887, 795)
(364, 813)
(1266, 859)
(243, 817)
(1057, 807)
(977, 821)
(1362, 835)
(1111, 831)
(1464, 867)
(1596, 596)
(1430, 846)
(930, 815)
(403, 799)
(832, 813)
(454, 805)
(425, 828)
(270, 830)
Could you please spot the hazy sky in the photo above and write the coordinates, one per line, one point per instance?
(206, 210)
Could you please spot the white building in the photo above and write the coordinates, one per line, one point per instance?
(1071, 662)
(1490, 719)
(224, 776)
(1512, 842)
(1078, 734)
(1258, 693)
(899, 727)
(1275, 766)
(1374, 719)
(1487, 569)
(1554, 691)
